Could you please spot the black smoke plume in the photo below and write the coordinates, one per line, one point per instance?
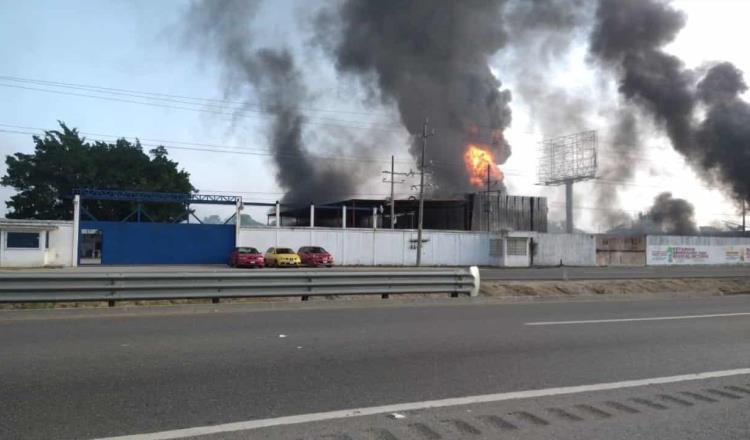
(724, 134)
(223, 28)
(430, 58)
(667, 215)
(629, 36)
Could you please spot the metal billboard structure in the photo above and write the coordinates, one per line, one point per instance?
(567, 159)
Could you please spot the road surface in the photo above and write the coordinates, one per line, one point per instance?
(103, 373)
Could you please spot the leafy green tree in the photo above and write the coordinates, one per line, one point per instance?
(213, 219)
(246, 220)
(63, 161)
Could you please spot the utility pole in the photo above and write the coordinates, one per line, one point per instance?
(488, 198)
(392, 180)
(425, 135)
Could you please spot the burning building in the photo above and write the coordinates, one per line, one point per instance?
(494, 211)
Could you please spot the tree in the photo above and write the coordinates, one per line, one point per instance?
(63, 161)
(245, 220)
(212, 219)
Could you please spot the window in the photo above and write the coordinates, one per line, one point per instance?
(517, 246)
(46, 239)
(22, 240)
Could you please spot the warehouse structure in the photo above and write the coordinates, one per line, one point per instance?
(493, 211)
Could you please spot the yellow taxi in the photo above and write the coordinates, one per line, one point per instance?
(281, 257)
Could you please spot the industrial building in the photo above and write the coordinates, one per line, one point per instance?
(494, 211)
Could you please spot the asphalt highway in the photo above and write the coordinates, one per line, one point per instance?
(94, 374)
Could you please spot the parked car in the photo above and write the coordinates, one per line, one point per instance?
(246, 256)
(315, 256)
(281, 256)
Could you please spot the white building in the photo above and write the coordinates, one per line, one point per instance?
(36, 243)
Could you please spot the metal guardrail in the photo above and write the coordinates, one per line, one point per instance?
(72, 286)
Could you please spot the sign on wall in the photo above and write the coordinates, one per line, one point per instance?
(676, 255)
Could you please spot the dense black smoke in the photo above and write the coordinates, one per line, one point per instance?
(629, 37)
(724, 134)
(223, 28)
(431, 59)
(667, 215)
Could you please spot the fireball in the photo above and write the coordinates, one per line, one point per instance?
(477, 159)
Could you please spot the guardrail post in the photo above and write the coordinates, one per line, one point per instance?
(474, 270)
(76, 228)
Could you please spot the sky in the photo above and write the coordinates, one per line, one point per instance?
(139, 46)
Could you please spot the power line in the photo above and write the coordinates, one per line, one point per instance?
(333, 123)
(226, 150)
(238, 106)
(147, 94)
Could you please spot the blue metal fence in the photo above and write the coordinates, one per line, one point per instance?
(163, 243)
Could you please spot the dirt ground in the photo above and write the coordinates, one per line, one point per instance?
(706, 286)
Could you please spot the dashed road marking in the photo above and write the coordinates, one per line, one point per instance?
(594, 411)
(565, 415)
(697, 396)
(648, 403)
(412, 406)
(673, 399)
(530, 418)
(721, 393)
(621, 407)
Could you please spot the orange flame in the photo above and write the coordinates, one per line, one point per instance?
(477, 158)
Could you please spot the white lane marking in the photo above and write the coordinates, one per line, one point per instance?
(654, 318)
(411, 406)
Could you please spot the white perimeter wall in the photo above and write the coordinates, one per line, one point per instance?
(60, 252)
(378, 247)
(571, 249)
(666, 250)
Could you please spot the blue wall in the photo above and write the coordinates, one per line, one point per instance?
(163, 243)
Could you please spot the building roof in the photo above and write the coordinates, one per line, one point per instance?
(30, 225)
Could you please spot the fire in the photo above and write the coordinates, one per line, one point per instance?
(477, 158)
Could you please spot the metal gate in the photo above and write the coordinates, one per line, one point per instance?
(161, 243)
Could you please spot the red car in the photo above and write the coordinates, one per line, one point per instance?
(246, 256)
(315, 256)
